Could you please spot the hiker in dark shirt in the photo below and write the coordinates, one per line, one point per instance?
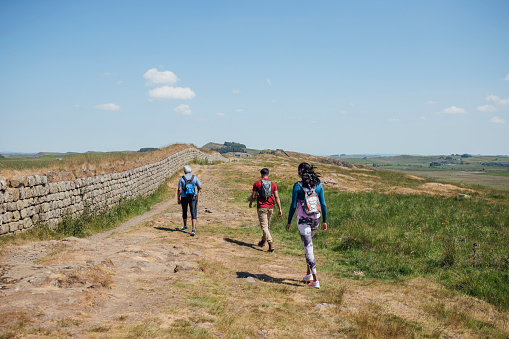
(187, 196)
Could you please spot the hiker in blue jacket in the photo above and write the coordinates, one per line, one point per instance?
(308, 200)
(188, 188)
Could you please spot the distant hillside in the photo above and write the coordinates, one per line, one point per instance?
(228, 151)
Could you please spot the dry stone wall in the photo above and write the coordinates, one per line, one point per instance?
(26, 201)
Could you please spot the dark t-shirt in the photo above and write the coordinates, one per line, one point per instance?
(260, 201)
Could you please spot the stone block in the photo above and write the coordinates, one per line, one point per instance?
(53, 187)
(3, 184)
(18, 181)
(31, 180)
(27, 223)
(23, 213)
(12, 206)
(15, 194)
(3, 208)
(2, 197)
(15, 216)
(13, 226)
(35, 218)
(4, 228)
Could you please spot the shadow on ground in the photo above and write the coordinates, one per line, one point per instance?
(241, 243)
(268, 278)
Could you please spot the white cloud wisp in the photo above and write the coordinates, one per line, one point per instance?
(454, 110)
(183, 109)
(108, 107)
(156, 77)
(167, 92)
(497, 120)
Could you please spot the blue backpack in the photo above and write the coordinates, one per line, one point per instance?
(189, 186)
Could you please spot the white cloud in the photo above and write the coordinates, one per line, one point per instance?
(343, 112)
(454, 110)
(183, 109)
(497, 120)
(394, 120)
(423, 118)
(507, 77)
(167, 92)
(493, 98)
(236, 91)
(108, 107)
(220, 114)
(155, 77)
(431, 102)
(76, 106)
(239, 110)
(274, 100)
(269, 82)
(118, 82)
(487, 108)
(497, 100)
(352, 104)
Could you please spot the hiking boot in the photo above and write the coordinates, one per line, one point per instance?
(183, 228)
(271, 247)
(315, 284)
(261, 243)
(193, 232)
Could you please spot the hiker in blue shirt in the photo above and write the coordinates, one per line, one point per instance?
(309, 203)
(188, 188)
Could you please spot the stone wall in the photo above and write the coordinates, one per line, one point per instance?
(29, 200)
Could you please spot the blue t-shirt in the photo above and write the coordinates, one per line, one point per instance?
(182, 183)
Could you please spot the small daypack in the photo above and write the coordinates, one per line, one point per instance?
(311, 204)
(266, 191)
(188, 185)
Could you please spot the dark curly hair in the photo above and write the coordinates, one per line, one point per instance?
(309, 177)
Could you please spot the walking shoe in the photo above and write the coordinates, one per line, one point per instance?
(183, 228)
(271, 247)
(308, 277)
(193, 232)
(261, 243)
(315, 284)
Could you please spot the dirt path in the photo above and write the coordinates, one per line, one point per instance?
(148, 279)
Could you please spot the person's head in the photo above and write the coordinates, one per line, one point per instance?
(264, 172)
(309, 176)
(187, 169)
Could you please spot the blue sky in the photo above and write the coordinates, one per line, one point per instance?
(404, 77)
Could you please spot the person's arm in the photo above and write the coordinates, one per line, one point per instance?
(253, 196)
(293, 205)
(179, 192)
(198, 185)
(321, 197)
(278, 202)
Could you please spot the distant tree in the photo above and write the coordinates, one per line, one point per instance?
(435, 164)
(466, 155)
(448, 158)
(1, 156)
(147, 149)
(234, 144)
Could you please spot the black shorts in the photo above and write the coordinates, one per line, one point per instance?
(192, 202)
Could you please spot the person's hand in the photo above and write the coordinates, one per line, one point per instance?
(324, 226)
(280, 213)
(288, 227)
(250, 204)
(178, 201)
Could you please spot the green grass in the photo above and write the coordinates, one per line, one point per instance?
(393, 237)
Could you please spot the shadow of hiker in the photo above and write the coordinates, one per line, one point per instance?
(268, 278)
(167, 229)
(241, 243)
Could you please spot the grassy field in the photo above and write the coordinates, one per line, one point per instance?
(460, 243)
(488, 171)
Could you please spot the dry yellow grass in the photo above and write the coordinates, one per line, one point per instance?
(91, 164)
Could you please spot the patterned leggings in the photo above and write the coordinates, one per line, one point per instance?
(307, 229)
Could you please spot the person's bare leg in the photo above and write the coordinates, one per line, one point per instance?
(185, 222)
(194, 223)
